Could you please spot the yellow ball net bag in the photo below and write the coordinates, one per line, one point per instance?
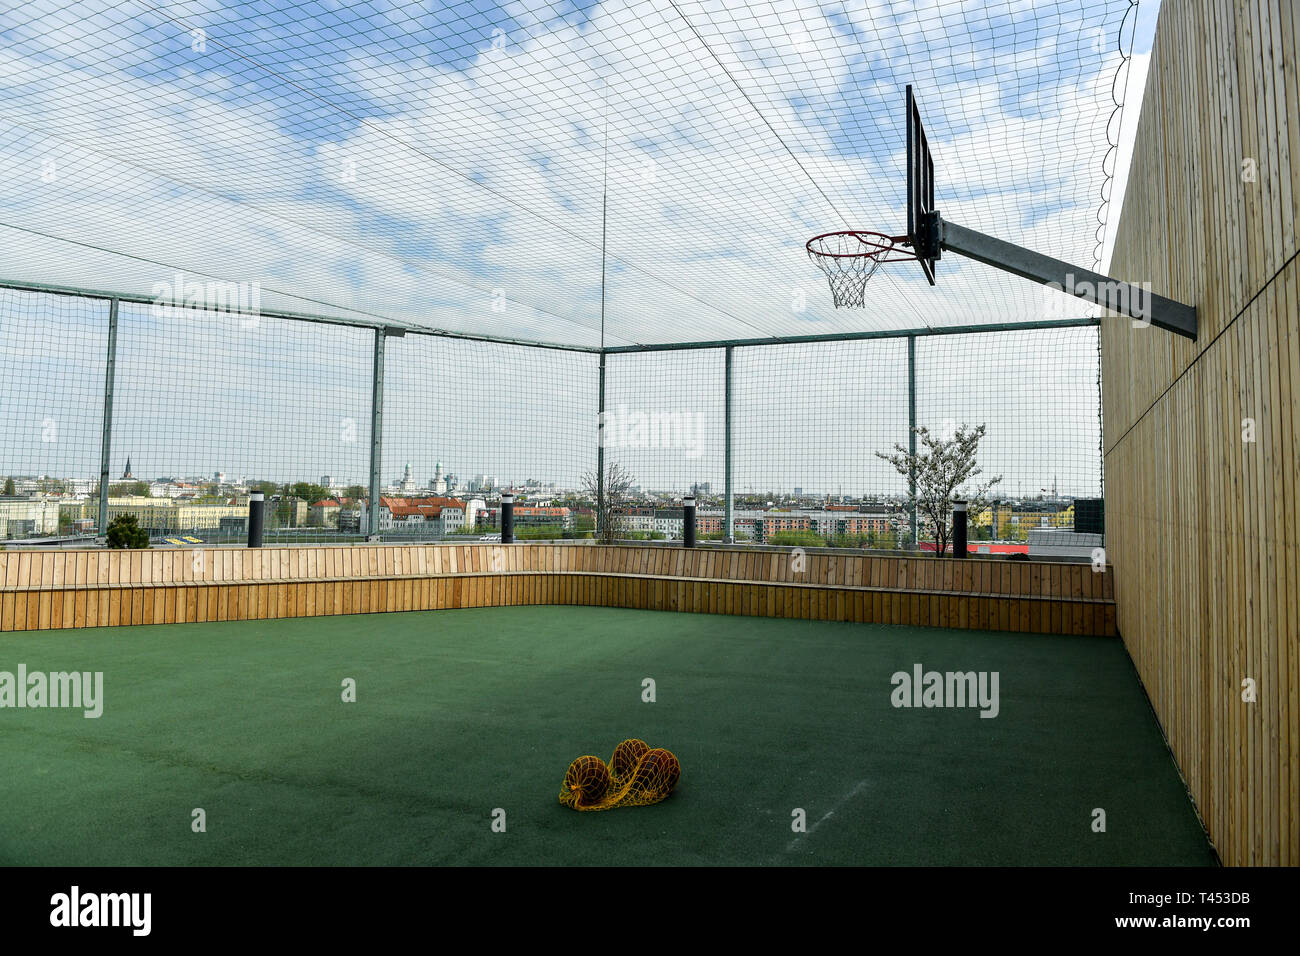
(636, 776)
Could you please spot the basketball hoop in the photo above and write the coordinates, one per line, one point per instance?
(852, 257)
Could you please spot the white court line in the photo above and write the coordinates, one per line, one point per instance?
(862, 785)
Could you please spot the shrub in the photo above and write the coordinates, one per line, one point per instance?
(125, 532)
(804, 539)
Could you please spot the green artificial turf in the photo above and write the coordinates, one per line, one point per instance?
(459, 713)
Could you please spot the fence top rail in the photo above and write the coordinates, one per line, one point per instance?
(399, 327)
(990, 327)
(388, 326)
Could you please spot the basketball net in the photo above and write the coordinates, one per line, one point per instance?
(849, 259)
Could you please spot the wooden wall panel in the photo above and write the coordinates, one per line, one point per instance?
(54, 569)
(167, 586)
(1201, 524)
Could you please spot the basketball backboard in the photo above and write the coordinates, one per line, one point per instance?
(920, 186)
(850, 257)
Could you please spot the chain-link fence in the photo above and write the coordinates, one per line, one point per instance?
(176, 415)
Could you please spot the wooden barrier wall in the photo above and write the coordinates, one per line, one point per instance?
(52, 589)
(1201, 520)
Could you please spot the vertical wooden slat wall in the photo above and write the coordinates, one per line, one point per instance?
(1202, 524)
(55, 589)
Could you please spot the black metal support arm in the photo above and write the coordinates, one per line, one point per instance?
(1123, 297)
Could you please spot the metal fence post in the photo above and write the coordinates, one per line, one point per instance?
(728, 526)
(911, 434)
(600, 450)
(106, 439)
(376, 432)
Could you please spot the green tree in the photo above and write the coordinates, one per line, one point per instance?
(356, 492)
(125, 532)
(308, 492)
(9, 486)
(943, 467)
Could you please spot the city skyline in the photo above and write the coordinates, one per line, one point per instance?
(392, 488)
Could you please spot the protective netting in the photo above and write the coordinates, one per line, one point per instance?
(1036, 392)
(52, 357)
(208, 406)
(665, 418)
(470, 418)
(200, 393)
(636, 776)
(618, 171)
(810, 418)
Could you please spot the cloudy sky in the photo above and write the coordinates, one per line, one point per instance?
(477, 167)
